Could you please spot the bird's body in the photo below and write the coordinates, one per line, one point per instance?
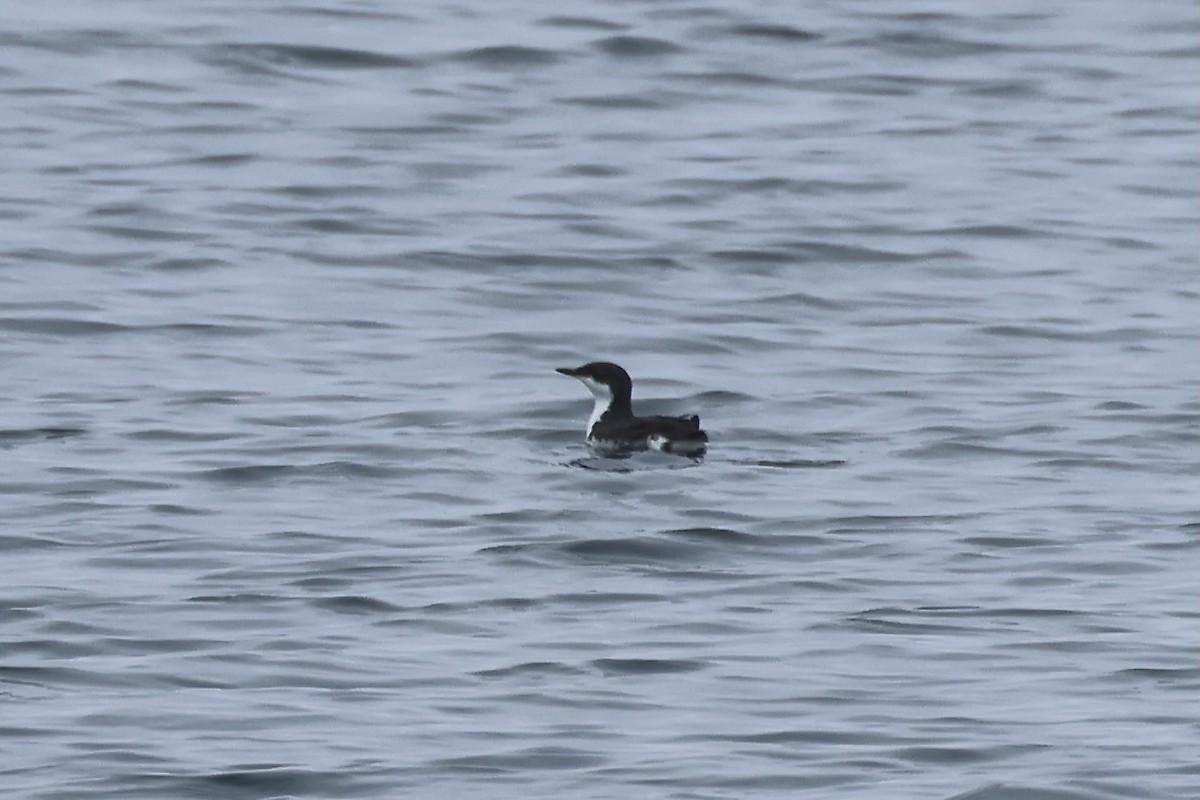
(613, 427)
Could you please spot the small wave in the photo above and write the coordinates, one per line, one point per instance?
(522, 761)
(1183, 676)
(930, 45)
(315, 56)
(1006, 89)
(1059, 334)
(719, 535)
(354, 604)
(168, 435)
(803, 252)
(631, 550)
(1006, 542)
(636, 47)
(592, 170)
(989, 232)
(805, 300)
(952, 756)
(189, 264)
(796, 463)
(778, 185)
(630, 102)
(529, 668)
(13, 542)
(731, 78)
(74, 41)
(508, 56)
(819, 736)
(890, 522)
(963, 449)
(1020, 792)
(902, 622)
(17, 435)
(779, 33)
(248, 474)
(634, 462)
(647, 666)
(588, 23)
(61, 326)
(262, 781)
(143, 234)
(88, 487)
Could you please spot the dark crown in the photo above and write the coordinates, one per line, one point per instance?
(604, 372)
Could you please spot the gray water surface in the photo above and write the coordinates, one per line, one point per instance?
(293, 504)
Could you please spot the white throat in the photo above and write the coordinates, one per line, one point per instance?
(604, 399)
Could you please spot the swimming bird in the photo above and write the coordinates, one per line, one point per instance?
(613, 429)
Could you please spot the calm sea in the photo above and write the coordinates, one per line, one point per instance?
(293, 504)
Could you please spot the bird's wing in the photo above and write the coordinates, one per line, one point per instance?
(687, 427)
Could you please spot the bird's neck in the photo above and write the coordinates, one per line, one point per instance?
(607, 404)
